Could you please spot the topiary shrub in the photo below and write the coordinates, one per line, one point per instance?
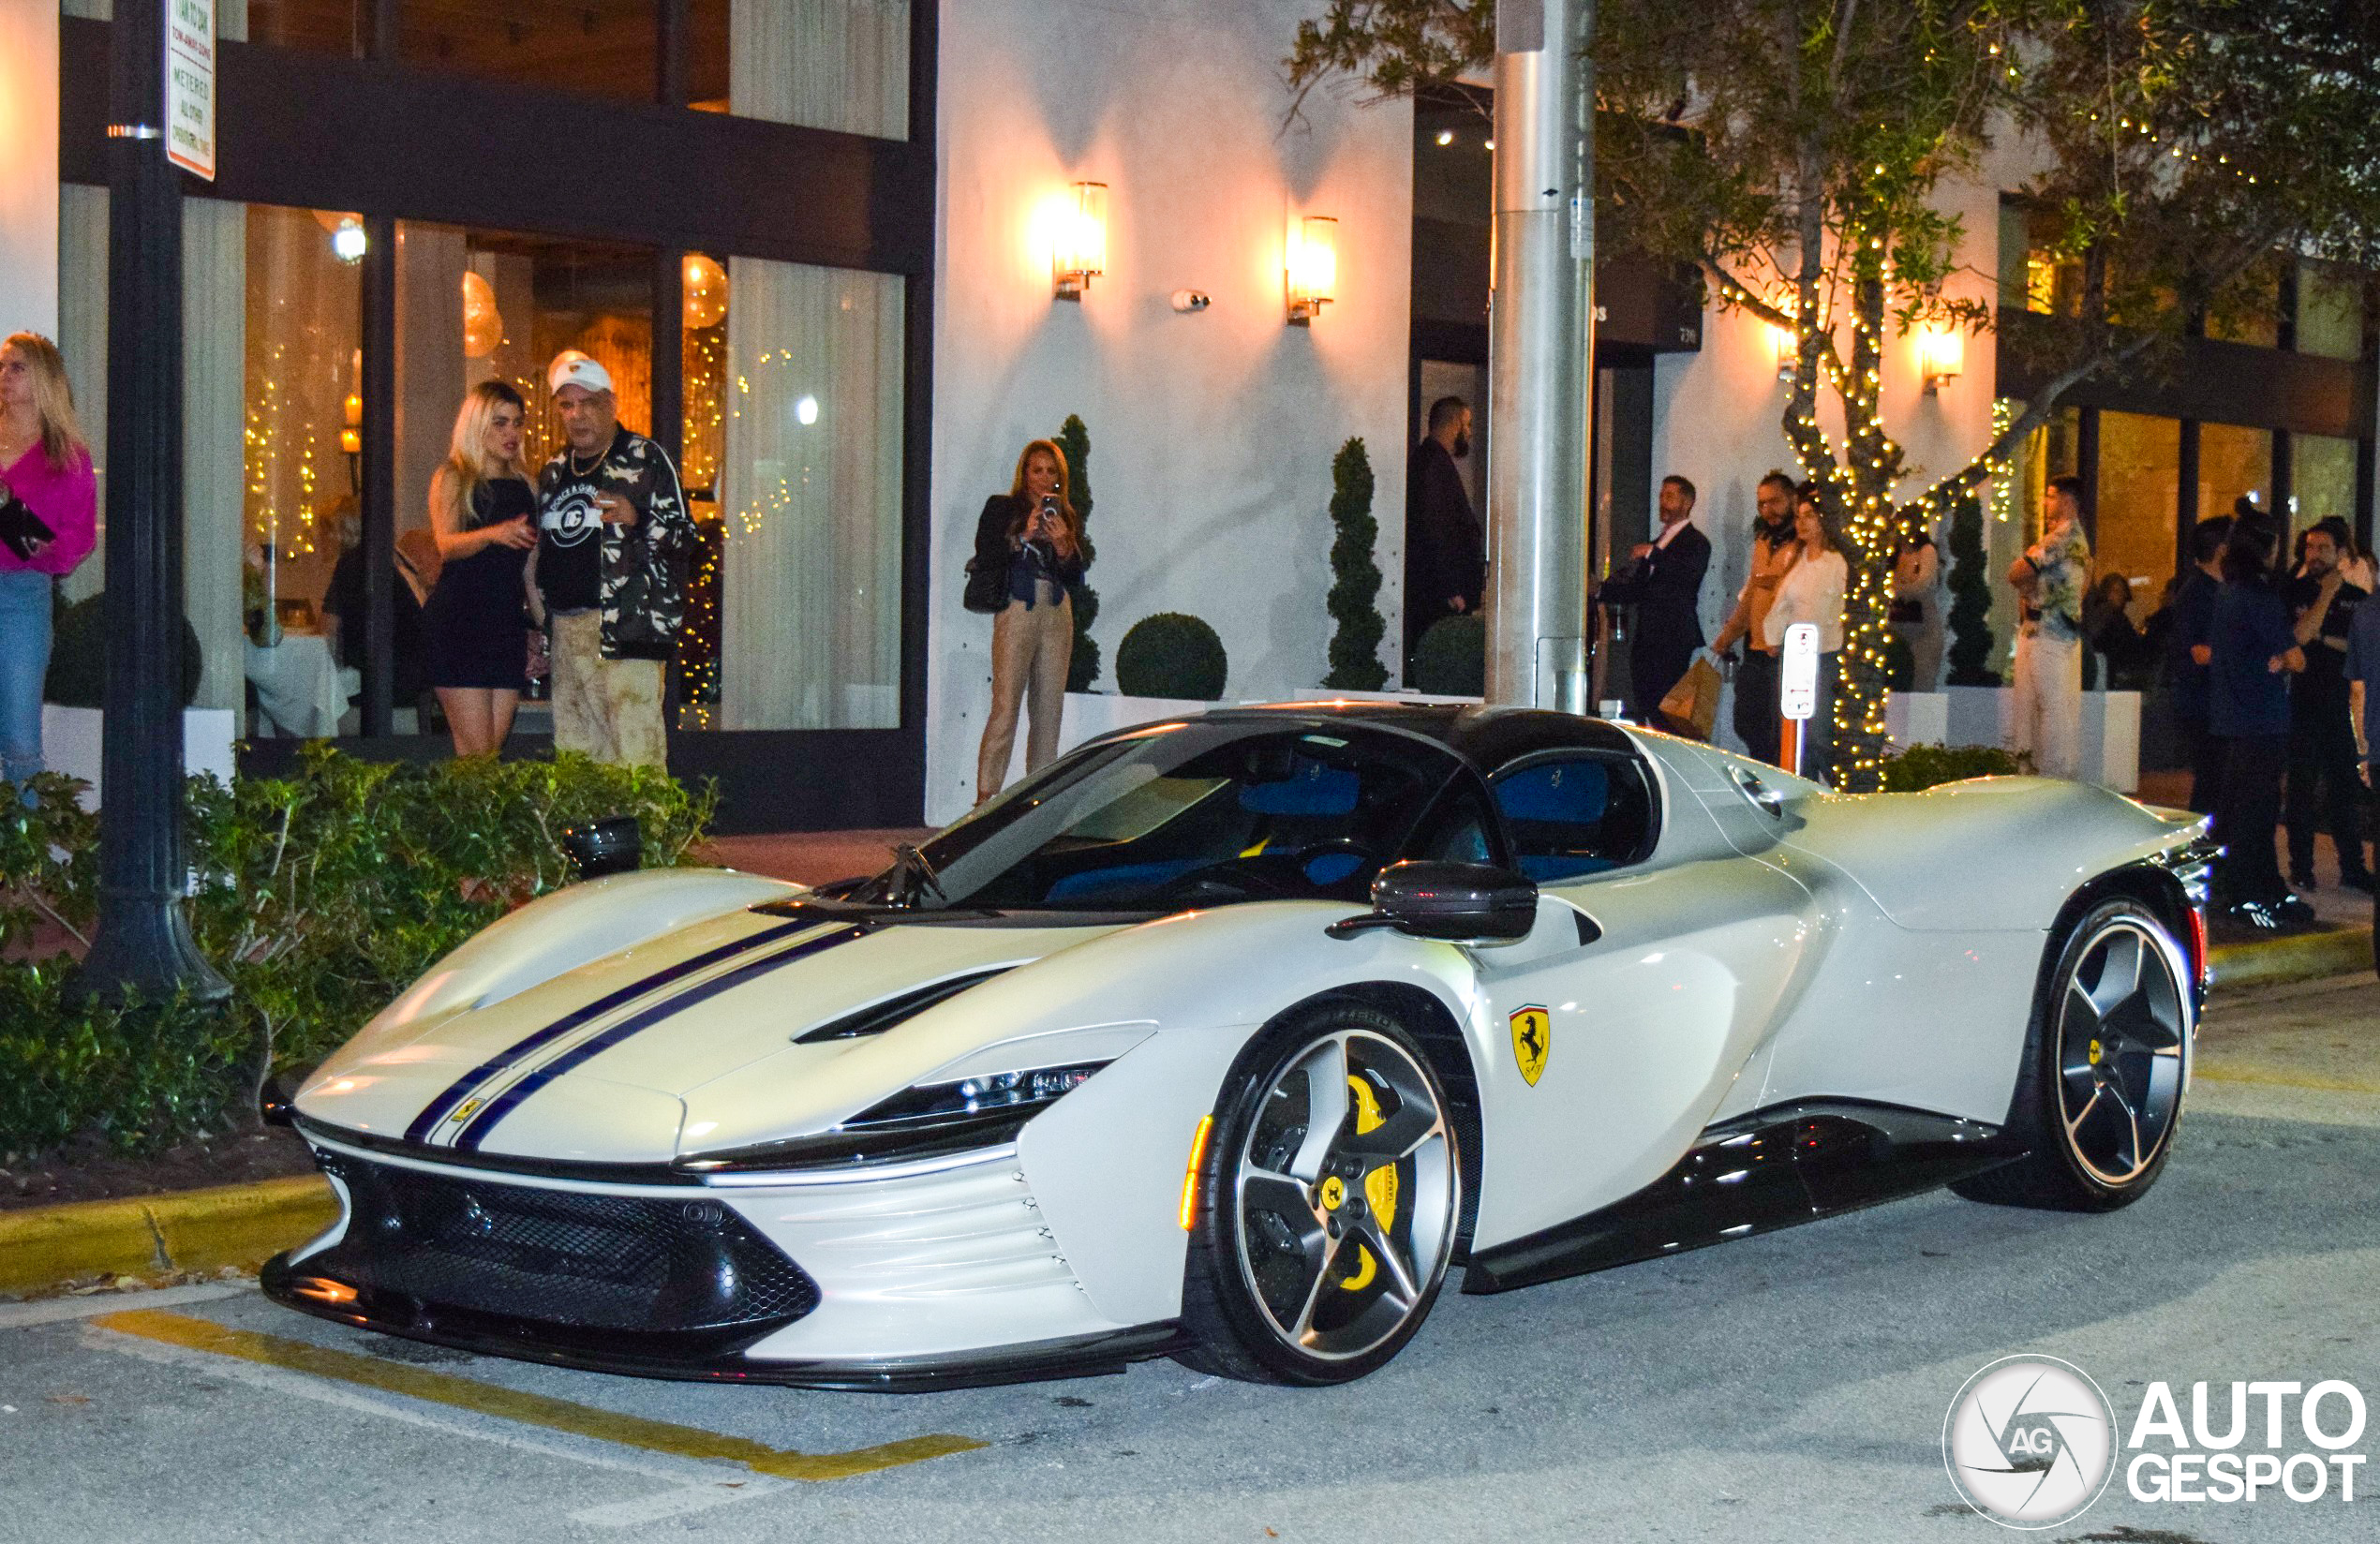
(1452, 658)
(1970, 638)
(1355, 648)
(1171, 654)
(1083, 666)
(1923, 766)
(79, 656)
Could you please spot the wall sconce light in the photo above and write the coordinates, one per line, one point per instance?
(1080, 251)
(1788, 347)
(1312, 268)
(1942, 355)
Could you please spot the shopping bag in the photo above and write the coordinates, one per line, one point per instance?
(1692, 704)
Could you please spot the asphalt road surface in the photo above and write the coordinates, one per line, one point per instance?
(1791, 1386)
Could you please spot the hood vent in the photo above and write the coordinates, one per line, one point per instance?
(878, 1016)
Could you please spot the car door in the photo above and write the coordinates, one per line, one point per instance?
(1625, 1017)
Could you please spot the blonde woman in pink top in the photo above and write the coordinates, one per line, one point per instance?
(48, 513)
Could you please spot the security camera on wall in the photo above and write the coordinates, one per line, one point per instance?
(1191, 300)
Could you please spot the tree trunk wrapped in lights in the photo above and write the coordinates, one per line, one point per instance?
(1791, 152)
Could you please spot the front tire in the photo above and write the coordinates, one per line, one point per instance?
(2106, 1063)
(1327, 1205)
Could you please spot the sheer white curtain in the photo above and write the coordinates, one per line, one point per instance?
(215, 285)
(214, 359)
(823, 64)
(809, 486)
(83, 338)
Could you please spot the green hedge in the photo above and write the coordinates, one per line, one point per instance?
(320, 896)
(1923, 766)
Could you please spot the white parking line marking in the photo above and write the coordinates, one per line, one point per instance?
(688, 1480)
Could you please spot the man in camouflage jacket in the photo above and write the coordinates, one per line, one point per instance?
(608, 579)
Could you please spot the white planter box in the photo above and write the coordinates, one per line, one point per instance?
(70, 744)
(1987, 714)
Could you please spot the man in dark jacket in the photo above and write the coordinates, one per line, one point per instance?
(1664, 583)
(2324, 788)
(1445, 549)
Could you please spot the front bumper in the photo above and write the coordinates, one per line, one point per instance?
(924, 1278)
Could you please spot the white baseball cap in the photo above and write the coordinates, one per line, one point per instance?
(572, 368)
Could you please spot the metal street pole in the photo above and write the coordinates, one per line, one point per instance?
(1540, 354)
(142, 946)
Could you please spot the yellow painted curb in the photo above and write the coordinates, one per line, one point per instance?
(244, 1225)
(2297, 957)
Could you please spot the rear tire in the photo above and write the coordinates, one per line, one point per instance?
(1327, 1204)
(2105, 1064)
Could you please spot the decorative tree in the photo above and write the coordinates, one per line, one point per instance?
(1355, 648)
(1791, 151)
(1970, 638)
(1083, 667)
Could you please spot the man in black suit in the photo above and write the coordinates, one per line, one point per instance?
(1664, 583)
(1445, 549)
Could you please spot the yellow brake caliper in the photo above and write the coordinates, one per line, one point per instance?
(1379, 1186)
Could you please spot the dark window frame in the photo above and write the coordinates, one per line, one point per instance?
(396, 142)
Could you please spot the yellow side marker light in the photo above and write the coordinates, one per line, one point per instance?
(514, 1405)
(1190, 1174)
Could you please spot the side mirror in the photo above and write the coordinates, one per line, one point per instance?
(1458, 901)
(609, 846)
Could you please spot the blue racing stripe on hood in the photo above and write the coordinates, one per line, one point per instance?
(510, 1099)
(435, 1111)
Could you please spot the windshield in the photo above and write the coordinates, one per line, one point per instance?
(1191, 814)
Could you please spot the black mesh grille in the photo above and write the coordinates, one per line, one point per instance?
(602, 1262)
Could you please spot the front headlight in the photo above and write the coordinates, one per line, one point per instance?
(992, 1093)
(921, 1121)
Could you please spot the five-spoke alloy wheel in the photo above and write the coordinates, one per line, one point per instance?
(1328, 1205)
(2107, 1065)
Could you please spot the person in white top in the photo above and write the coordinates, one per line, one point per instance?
(1812, 591)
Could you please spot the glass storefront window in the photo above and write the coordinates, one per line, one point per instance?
(2322, 479)
(2233, 461)
(822, 63)
(475, 305)
(302, 369)
(2253, 316)
(589, 48)
(2329, 311)
(809, 485)
(2139, 499)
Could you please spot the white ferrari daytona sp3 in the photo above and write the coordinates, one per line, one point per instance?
(1228, 1037)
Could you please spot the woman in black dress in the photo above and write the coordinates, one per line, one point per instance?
(483, 513)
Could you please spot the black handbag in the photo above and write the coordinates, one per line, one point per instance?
(987, 591)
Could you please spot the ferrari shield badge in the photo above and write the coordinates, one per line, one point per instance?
(1532, 1040)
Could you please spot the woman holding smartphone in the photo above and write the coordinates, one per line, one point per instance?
(483, 512)
(49, 516)
(1032, 534)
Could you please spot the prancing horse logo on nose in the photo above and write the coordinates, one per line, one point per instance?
(1532, 1040)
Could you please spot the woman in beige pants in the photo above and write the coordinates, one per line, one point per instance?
(1032, 535)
